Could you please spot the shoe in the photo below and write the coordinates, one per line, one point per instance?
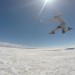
(69, 28)
(52, 32)
(63, 31)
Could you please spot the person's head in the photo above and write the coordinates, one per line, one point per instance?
(58, 16)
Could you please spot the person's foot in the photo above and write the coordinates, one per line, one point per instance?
(63, 31)
(52, 32)
(69, 28)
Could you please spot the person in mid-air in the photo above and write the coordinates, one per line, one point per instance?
(62, 25)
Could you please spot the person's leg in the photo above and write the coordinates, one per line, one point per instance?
(64, 30)
(57, 28)
(64, 27)
(53, 32)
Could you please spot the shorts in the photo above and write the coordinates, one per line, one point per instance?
(63, 24)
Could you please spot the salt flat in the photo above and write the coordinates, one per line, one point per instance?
(17, 61)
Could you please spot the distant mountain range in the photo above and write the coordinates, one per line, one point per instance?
(4, 44)
(69, 48)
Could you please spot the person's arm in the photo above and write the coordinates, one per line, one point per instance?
(51, 20)
(55, 18)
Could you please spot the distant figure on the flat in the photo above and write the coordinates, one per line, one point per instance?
(62, 25)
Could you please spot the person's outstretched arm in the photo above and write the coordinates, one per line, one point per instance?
(52, 20)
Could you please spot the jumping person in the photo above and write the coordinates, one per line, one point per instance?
(62, 25)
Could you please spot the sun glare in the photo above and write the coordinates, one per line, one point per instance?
(45, 2)
(48, 1)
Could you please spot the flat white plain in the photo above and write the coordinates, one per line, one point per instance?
(17, 61)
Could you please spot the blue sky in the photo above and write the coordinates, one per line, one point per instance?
(19, 23)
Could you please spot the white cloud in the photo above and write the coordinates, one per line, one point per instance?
(11, 45)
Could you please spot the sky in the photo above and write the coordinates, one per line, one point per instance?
(21, 23)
